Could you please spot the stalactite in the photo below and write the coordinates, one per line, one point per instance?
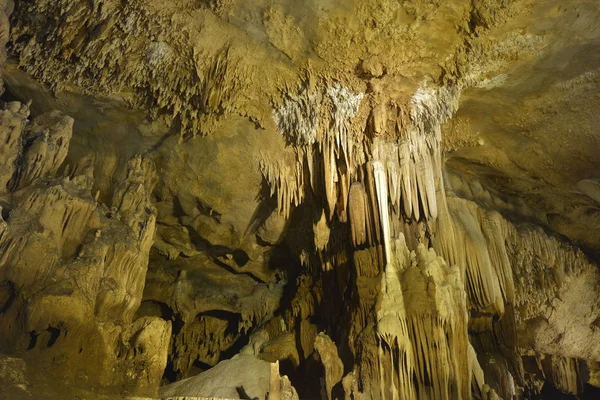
(321, 233)
(344, 183)
(565, 374)
(330, 179)
(346, 105)
(382, 203)
(358, 214)
(482, 280)
(460, 238)
(373, 207)
(170, 76)
(495, 231)
(322, 143)
(285, 181)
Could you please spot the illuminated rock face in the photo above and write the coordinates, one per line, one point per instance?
(335, 199)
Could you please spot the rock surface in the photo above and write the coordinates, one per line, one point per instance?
(376, 199)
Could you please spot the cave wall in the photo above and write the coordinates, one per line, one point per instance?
(186, 186)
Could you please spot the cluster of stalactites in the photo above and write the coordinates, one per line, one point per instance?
(327, 152)
(412, 167)
(405, 176)
(400, 183)
(286, 181)
(369, 221)
(422, 328)
(412, 159)
(474, 238)
(541, 264)
(502, 264)
(194, 87)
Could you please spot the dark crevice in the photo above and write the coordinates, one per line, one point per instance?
(240, 257)
(266, 206)
(233, 319)
(54, 335)
(239, 344)
(170, 373)
(207, 210)
(9, 96)
(308, 380)
(32, 340)
(243, 395)
(233, 271)
(8, 294)
(153, 308)
(178, 208)
(198, 241)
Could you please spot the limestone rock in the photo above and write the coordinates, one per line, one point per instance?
(226, 188)
(334, 369)
(88, 283)
(12, 120)
(13, 383)
(241, 377)
(417, 179)
(45, 147)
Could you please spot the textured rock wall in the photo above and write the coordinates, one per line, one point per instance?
(73, 270)
(298, 209)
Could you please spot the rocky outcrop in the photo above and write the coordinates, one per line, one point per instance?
(213, 308)
(241, 377)
(334, 369)
(73, 270)
(14, 119)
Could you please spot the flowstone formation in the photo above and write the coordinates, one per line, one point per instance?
(73, 269)
(283, 200)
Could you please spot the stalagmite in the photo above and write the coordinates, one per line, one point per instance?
(395, 352)
(423, 321)
(334, 369)
(87, 284)
(274, 385)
